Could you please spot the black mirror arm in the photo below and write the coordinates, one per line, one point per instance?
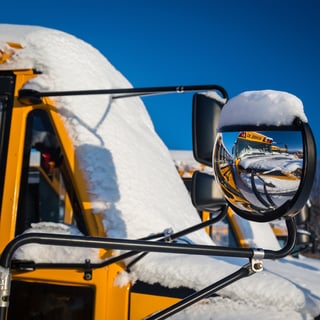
(174, 236)
(243, 272)
(6, 257)
(29, 96)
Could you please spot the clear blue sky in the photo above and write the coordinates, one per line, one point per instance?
(239, 44)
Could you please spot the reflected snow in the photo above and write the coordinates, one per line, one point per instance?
(256, 171)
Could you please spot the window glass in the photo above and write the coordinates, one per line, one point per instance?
(50, 302)
(44, 195)
(222, 234)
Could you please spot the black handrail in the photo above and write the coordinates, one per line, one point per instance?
(133, 245)
(142, 245)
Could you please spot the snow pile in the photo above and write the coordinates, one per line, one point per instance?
(56, 254)
(134, 182)
(124, 181)
(267, 107)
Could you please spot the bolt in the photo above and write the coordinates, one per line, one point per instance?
(257, 266)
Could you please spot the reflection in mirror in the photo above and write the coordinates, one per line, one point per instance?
(259, 171)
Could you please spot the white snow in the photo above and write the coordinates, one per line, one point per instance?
(267, 107)
(134, 182)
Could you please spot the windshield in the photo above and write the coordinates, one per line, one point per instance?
(251, 142)
(248, 147)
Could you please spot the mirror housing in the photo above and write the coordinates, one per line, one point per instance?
(206, 194)
(205, 118)
(252, 191)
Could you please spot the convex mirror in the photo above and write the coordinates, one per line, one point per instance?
(264, 162)
(259, 171)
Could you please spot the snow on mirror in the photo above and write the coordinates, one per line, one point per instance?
(259, 171)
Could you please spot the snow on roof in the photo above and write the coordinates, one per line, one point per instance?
(119, 161)
(134, 182)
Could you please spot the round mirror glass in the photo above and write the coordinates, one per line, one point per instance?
(258, 171)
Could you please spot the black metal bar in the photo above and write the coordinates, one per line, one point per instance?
(32, 265)
(201, 225)
(120, 244)
(176, 235)
(268, 254)
(143, 245)
(33, 96)
(7, 85)
(256, 192)
(134, 245)
(3, 313)
(244, 271)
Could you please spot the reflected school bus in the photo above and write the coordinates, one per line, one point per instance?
(251, 141)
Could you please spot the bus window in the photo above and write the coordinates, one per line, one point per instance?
(43, 192)
(252, 142)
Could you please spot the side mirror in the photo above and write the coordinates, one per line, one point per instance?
(261, 179)
(206, 194)
(205, 119)
(264, 156)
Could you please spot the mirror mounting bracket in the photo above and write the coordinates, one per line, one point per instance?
(257, 260)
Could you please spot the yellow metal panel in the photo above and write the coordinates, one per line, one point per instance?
(143, 305)
(93, 221)
(111, 301)
(7, 53)
(205, 216)
(236, 229)
(13, 174)
(14, 165)
(14, 162)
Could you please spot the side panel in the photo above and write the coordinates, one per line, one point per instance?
(147, 299)
(64, 294)
(143, 305)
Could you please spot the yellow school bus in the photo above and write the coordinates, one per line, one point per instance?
(42, 181)
(249, 140)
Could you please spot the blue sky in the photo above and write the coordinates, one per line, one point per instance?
(239, 44)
